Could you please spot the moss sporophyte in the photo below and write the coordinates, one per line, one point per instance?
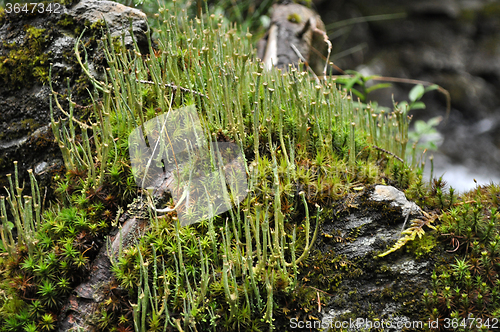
(283, 153)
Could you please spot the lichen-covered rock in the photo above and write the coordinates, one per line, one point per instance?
(29, 44)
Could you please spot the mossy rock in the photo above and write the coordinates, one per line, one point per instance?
(29, 44)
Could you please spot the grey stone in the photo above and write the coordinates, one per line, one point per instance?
(358, 234)
(117, 16)
(396, 198)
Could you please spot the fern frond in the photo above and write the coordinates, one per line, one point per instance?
(410, 233)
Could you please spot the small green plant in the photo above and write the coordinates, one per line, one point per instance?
(415, 96)
(47, 323)
(359, 85)
(25, 210)
(468, 285)
(415, 229)
(354, 78)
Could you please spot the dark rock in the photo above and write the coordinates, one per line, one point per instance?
(449, 8)
(28, 45)
(385, 287)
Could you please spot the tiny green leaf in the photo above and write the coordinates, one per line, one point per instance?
(416, 92)
(378, 86)
(417, 106)
(432, 87)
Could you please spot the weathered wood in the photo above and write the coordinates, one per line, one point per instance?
(296, 33)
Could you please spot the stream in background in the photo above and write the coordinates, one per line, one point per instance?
(452, 43)
(469, 154)
(459, 176)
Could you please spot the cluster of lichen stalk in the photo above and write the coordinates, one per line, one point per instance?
(305, 144)
(25, 212)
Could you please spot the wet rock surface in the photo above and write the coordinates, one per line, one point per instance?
(28, 45)
(387, 287)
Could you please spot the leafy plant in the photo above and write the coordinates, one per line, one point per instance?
(354, 78)
(415, 96)
(415, 229)
(358, 84)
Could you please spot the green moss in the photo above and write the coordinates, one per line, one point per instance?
(67, 22)
(491, 9)
(321, 159)
(29, 124)
(423, 246)
(295, 18)
(19, 129)
(471, 233)
(26, 63)
(98, 25)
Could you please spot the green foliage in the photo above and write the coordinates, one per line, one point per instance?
(416, 93)
(355, 78)
(47, 322)
(306, 145)
(359, 85)
(50, 254)
(468, 284)
(415, 229)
